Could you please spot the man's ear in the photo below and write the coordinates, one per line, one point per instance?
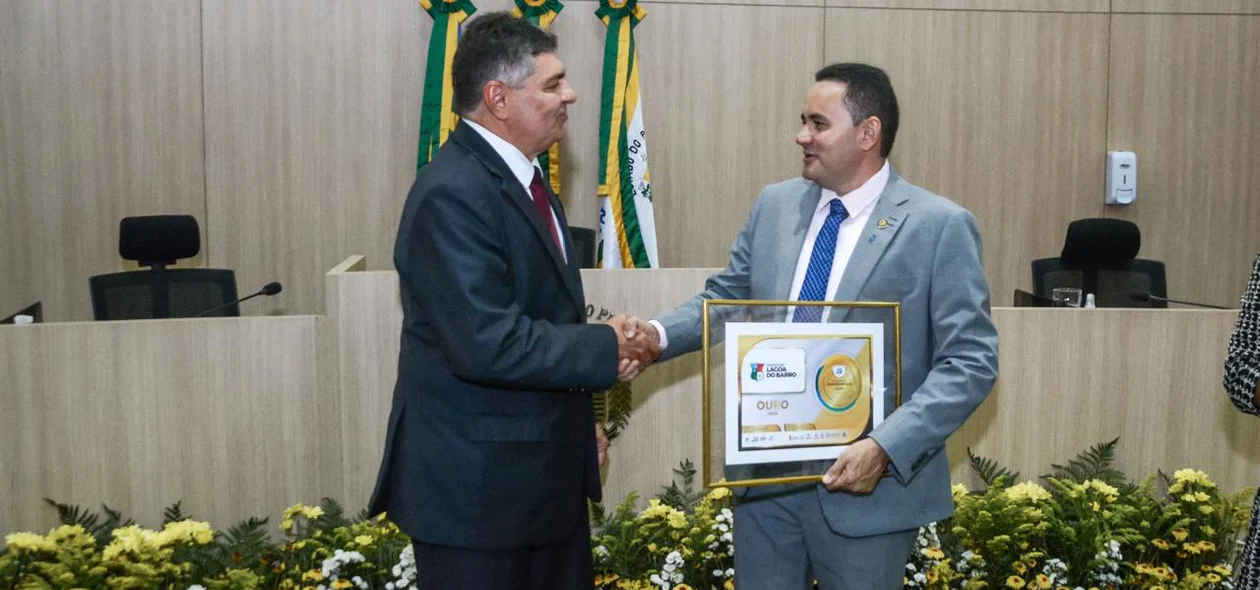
(494, 96)
(871, 133)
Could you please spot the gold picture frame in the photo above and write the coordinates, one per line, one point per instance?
(707, 382)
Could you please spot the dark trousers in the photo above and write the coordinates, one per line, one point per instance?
(563, 566)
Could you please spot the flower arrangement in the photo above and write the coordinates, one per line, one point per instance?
(1086, 527)
(682, 540)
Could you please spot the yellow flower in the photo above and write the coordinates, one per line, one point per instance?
(1027, 491)
(651, 547)
(313, 575)
(1223, 569)
(363, 540)
(131, 539)
(186, 531)
(29, 542)
(1043, 581)
(1108, 491)
(286, 525)
(1202, 497)
(1096, 507)
(932, 553)
(720, 493)
(1180, 534)
(959, 491)
(1209, 531)
(1191, 548)
(1206, 509)
(1015, 582)
(729, 585)
(313, 512)
(932, 576)
(1019, 568)
(1160, 544)
(1189, 498)
(1207, 546)
(677, 519)
(342, 584)
(655, 509)
(682, 587)
(1192, 476)
(1213, 578)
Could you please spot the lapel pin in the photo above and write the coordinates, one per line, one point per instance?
(871, 239)
(883, 223)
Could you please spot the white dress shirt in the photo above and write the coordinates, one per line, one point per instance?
(521, 168)
(860, 203)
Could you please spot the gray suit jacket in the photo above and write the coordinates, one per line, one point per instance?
(927, 258)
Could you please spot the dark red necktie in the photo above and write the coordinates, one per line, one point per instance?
(542, 204)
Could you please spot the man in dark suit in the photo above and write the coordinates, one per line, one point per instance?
(491, 451)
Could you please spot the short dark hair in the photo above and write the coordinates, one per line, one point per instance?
(495, 46)
(868, 93)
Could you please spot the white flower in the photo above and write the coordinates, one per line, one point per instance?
(717, 573)
(196, 587)
(730, 572)
(920, 578)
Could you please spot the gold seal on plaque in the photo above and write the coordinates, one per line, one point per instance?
(839, 382)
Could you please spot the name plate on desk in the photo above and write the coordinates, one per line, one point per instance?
(793, 396)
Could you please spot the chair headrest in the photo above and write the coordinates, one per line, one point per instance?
(1101, 242)
(162, 239)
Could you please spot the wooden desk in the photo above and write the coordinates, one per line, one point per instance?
(245, 416)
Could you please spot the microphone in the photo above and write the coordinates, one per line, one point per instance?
(1144, 297)
(269, 289)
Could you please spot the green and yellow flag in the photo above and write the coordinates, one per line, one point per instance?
(542, 13)
(627, 227)
(437, 109)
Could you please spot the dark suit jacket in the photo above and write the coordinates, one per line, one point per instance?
(491, 439)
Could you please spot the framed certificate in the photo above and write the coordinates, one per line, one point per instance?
(784, 398)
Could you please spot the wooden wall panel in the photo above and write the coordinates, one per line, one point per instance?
(722, 89)
(100, 118)
(312, 110)
(1002, 112)
(996, 5)
(1187, 6)
(1184, 93)
(1070, 379)
(224, 415)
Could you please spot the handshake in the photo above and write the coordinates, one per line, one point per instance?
(638, 345)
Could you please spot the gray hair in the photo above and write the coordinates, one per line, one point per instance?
(495, 46)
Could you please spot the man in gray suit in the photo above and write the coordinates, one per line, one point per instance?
(852, 229)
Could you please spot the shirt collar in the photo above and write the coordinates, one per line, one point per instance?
(520, 166)
(861, 197)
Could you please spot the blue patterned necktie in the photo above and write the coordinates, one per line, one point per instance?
(819, 271)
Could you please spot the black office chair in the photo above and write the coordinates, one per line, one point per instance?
(157, 241)
(584, 240)
(1100, 257)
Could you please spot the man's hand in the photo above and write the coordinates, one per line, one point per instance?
(638, 345)
(601, 444)
(858, 470)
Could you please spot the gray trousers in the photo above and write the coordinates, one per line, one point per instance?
(783, 542)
